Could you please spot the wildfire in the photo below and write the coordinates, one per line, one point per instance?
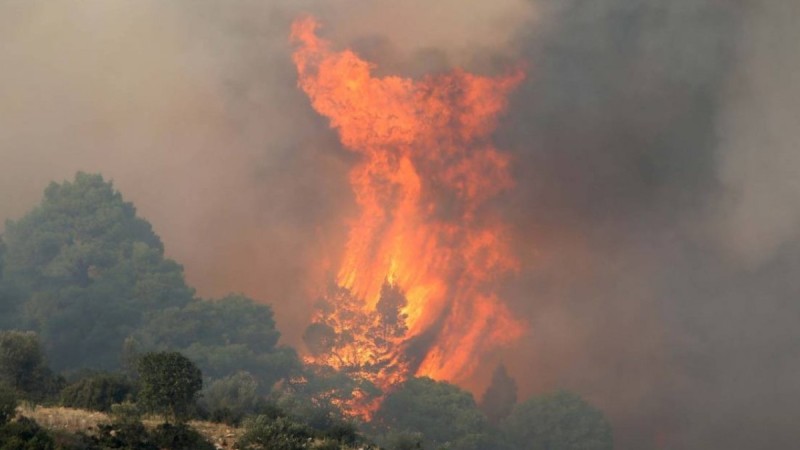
(413, 294)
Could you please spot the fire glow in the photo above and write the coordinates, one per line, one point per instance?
(414, 290)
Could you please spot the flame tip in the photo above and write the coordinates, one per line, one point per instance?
(426, 172)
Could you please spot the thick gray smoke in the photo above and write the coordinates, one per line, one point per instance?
(657, 206)
(658, 179)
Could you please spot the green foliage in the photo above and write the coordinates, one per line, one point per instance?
(90, 270)
(558, 421)
(312, 398)
(223, 337)
(90, 277)
(444, 414)
(229, 399)
(25, 434)
(126, 413)
(8, 404)
(342, 432)
(179, 437)
(97, 392)
(22, 366)
(403, 441)
(135, 436)
(20, 359)
(10, 298)
(224, 360)
(500, 397)
(234, 319)
(274, 428)
(79, 228)
(170, 383)
(129, 436)
(64, 440)
(326, 444)
(266, 433)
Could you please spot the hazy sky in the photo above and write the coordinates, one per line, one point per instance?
(657, 206)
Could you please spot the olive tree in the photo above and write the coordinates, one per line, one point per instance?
(23, 367)
(169, 384)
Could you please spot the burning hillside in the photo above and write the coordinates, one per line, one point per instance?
(414, 291)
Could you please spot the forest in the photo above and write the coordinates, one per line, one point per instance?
(94, 316)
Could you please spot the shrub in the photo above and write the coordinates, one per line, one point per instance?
(25, 434)
(179, 437)
(126, 412)
(97, 392)
(264, 433)
(8, 404)
(326, 444)
(22, 366)
(64, 440)
(229, 399)
(134, 436)
(560, 420)
(226, 416)
(170, 383)
(129, 436)
(343, 433)
(444, 414)
(403, 441)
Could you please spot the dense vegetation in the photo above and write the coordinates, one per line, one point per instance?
(94, 316)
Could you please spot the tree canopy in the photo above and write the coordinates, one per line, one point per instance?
(23, 367)
(231, 398)
(443, 413)
(223, 337)
(97, 392)
(89, 276)
(20, 359)
(90, 269)
(500, 397)
(8, 404)
(88, 282)
(169, 384)
(558, 421)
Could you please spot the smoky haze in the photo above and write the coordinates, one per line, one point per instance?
(656, 208)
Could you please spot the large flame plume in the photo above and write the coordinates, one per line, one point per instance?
(414, 291)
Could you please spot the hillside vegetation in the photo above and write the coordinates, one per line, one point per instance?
(104, 345)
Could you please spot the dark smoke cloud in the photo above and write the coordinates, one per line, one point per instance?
(657, 184)
(656, 208)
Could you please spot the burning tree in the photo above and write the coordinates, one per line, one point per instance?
(414, 291)
(360, 343)
(356, 341)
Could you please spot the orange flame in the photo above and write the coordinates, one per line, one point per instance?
(426, 170)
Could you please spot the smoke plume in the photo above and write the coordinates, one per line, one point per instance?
(655, 209)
